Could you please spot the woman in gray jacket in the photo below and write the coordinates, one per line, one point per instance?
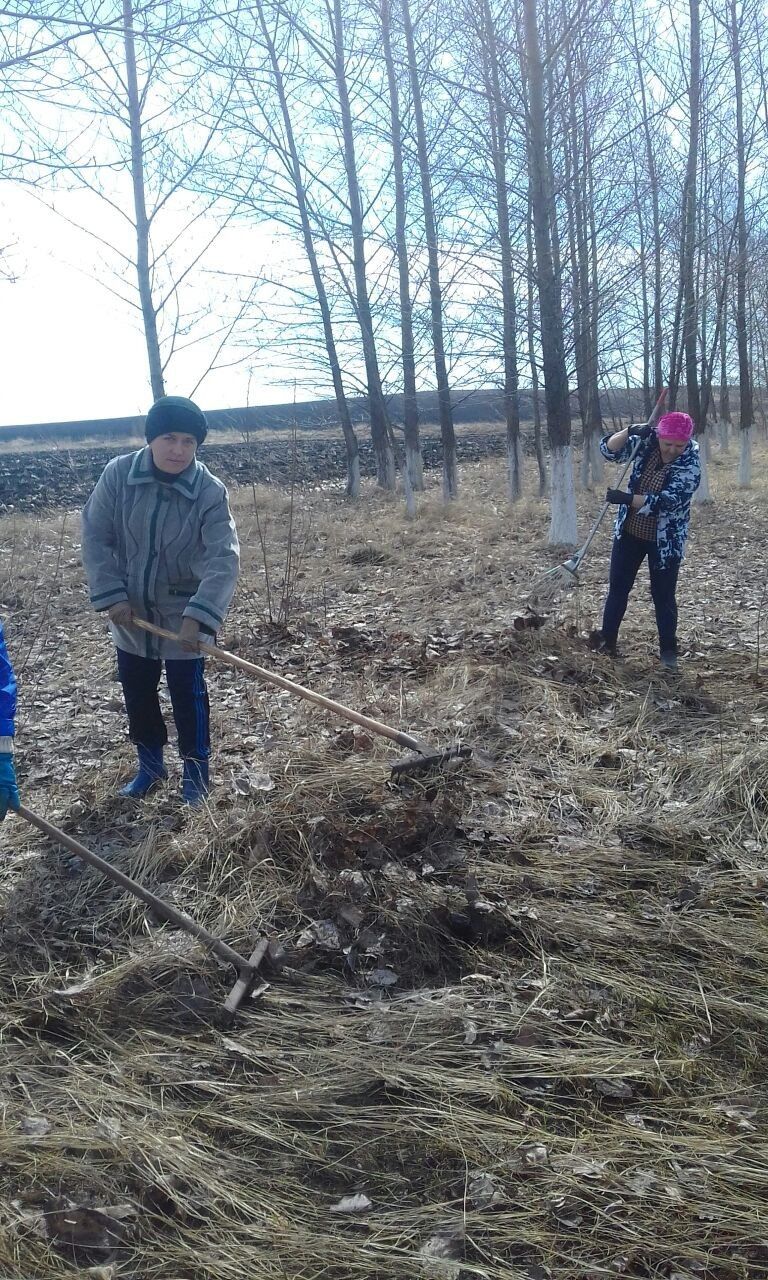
(159, 542)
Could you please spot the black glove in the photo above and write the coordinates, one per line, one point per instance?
(642, 433)
(618, 498)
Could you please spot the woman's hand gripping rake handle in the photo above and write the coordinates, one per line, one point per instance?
(573, 564)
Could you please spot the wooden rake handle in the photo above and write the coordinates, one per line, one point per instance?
(281, 682)
(163, 908)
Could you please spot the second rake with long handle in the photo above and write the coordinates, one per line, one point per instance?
(424, 755)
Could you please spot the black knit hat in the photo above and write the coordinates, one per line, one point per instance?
(175, 413)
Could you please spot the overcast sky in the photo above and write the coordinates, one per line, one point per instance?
(71, 350)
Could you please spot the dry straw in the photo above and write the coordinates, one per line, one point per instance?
(520, 1024)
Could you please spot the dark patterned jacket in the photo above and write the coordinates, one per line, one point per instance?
(672, 505)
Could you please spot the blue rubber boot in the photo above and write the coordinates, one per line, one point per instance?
(195, 783)
(151, 773)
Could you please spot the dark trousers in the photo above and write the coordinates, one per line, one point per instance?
(627, 556)
(140, 678)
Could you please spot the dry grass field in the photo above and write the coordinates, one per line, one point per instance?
(519, 1024)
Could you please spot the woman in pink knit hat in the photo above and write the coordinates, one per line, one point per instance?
(652, 521)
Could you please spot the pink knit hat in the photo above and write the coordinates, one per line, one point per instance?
(675, 427)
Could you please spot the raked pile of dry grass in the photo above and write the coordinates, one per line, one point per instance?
(518, 1029)
(516, 1019)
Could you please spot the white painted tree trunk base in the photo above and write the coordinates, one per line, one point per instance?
(745, 458)
(515, 470)
(562, 524)
(410, 496)
(724, 435)
(415, 465)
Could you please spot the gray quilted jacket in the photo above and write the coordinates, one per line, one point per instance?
(170, 549)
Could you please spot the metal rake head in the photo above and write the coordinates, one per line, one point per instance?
(552, 584)
(419, 764)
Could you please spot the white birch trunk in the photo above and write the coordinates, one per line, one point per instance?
(745, 458)
(562, 525)
(415, 466)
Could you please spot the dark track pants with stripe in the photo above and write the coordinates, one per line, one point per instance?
(140, 678)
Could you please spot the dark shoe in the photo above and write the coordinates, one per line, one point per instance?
(196, 783)
(669, 660)
(151, 773)
(599, 643)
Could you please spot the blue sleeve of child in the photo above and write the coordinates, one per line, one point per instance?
(7, 691)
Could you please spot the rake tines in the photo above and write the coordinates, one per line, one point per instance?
(552, 584)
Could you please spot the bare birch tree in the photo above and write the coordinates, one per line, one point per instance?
(690, 325)
(108, 101)
(450, 471)
(288, 152)
(746, 403)
(413, 459)
(498, 121)
(562, 528)
(381, 431)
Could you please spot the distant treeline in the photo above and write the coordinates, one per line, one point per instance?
(469, 407)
